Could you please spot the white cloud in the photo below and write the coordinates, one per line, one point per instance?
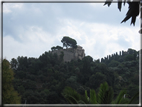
(100, 40)
(38, 27)
(34, 42)
(7, 7)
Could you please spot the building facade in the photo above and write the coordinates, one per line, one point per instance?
(71, 53)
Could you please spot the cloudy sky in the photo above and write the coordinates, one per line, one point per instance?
(30, 29)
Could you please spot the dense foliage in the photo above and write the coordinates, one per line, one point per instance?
(9, 95)
(67, 41)
(56, 48)
(104, 96)
(42, 80)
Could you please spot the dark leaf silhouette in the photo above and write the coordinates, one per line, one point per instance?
(108, 2)
(132, 12)
(119, 5)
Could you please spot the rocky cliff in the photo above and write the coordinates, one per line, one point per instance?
(71, 54)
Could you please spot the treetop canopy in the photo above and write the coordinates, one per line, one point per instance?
(67, 41)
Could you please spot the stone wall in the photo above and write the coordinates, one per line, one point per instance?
(71, 54)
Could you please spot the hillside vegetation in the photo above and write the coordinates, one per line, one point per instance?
(42, 80)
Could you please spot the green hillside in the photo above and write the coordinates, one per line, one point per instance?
(42, 80)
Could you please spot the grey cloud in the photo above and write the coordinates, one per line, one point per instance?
(18, 21)
(104, 14)
(50, 17)
(46, 16)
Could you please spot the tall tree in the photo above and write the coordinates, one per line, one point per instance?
(14, 64)
(67, 41)
(9, 95)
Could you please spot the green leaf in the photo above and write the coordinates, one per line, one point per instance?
(93, 98)
(71, 95)
(71, 99)
(120, 97)
(86, 96)
(102, 91)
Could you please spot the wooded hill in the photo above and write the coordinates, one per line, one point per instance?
(42, 80)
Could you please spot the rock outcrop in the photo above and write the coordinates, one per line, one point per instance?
(71, 54)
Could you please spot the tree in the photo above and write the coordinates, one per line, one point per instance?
(14, 64)
(56, 48)
(67, 41)
(9, 95)
(22, 63)
(53, 98)
(104, 96)
(113, 63)
(72, 96)
(96, 80)
(59, 47)
(53, 48)
(132, 12)
(87, 63)
(129, 57)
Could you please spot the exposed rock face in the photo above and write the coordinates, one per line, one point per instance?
(71, 54)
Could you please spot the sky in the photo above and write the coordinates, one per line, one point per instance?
(30, 29)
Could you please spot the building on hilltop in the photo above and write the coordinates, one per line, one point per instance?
(71, 53)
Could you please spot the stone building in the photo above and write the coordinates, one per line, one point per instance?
(71, 53)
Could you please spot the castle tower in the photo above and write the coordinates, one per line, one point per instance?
(71, 54)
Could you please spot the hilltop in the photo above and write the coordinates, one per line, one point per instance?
(42, 80)
(70, 53)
